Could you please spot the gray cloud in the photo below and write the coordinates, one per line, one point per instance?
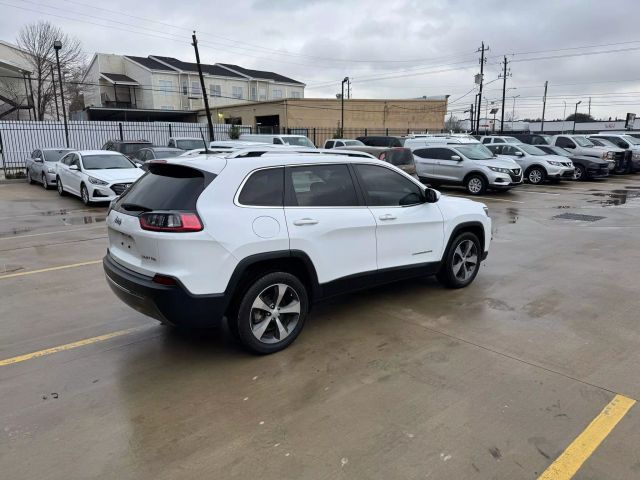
(321, 41)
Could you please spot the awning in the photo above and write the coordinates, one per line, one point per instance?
(118, 79)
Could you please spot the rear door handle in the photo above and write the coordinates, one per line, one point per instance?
(387, 216)
(305, 221)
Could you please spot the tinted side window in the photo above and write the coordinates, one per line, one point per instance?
(386, 188)
(321, 186)
(329, 144)
(397, 156)
(564, 142)
(486, 140)
(277, 141)
(495, 148)
(425, 152)
(264, 188)
(498, 140)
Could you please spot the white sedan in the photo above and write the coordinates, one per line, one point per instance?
(95, 175)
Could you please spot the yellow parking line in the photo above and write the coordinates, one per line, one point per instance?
(570, 461)
(68, 346)
(50, 269)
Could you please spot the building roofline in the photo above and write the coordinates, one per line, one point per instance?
(291, 101)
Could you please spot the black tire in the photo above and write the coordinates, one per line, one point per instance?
(475, 184)
(581, 173)
(84, 195)
(536, 175)
(59, 187)
(265, 289)
(29, 179)
(45, 185)
(448, 276)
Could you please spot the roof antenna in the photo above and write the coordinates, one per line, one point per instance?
(206, 149)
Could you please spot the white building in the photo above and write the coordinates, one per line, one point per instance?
(160, 85)
(15, 84)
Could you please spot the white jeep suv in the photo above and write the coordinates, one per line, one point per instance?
(258, 240)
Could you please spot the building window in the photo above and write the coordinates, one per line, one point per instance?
(295, 94)
(263, 94)
(166, 86)
(254, 93)
(236, 92)
(215, 90)
(185, 88)
(277, 94)
(195, 88)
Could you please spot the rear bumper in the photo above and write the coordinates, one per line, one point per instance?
(172, 305)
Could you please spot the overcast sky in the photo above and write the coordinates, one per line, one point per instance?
(390, 49)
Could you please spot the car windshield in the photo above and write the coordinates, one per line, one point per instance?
(603, 142)
(128, 148)
(631, 140)
(583, 141)
(354, 143)
(475, 151)
(531, 150)
(190, 144)
(54, 155)
(104, 162)
(167, 153)
(298, 141)
(558, 151)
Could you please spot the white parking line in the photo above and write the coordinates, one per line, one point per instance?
(537, 193)
(486, 198)
(51, 233)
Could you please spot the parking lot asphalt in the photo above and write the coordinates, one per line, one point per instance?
(406, 381)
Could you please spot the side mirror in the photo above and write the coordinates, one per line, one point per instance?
(74, 167)
(431, 195)
(456, 158)
(519, 154)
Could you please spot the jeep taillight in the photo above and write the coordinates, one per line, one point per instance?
(170, 222)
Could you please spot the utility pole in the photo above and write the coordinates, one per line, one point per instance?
(204, 90)
(504, 93)
(471, 117)
(544, 105)
(482, 61)
(346, 80)
(589, 106)
(349, 89)
(57, 45)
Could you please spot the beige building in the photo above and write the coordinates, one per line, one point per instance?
(320, 113)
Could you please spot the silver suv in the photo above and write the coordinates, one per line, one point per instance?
(469, 164)
(538, 165)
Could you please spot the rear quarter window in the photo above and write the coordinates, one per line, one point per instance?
(264, 188)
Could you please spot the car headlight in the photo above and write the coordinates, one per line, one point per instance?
(498, 169)
(97, 181)
(557, 164)
(608, 155)
(51, 170)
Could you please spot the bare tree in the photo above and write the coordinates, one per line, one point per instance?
(36, 40)
(452, 123)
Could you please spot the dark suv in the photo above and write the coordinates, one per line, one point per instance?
(126, 147)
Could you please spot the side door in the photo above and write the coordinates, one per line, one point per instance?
(74, 177)
(449, 165)
(409, 231)
(425, 162)
(35, 165)
(327, 219)
(62, 168)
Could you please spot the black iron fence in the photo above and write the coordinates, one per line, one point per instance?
(19, 139)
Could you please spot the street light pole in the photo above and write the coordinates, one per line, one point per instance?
(564, 114)
(513, 111)
(574, 116)
(346, 79)
(57, 45)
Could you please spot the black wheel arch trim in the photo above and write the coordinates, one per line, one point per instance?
(463, 227)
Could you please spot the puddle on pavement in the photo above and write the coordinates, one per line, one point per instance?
(513, 214)
(50, 213)
(15, 231)
(85, 220)
(614, 198)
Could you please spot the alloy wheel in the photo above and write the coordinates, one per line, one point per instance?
(85, 195)
(465, 260)
(59, 186)
(535, 176)
(475, 185)
(44, 182)
(275, 313)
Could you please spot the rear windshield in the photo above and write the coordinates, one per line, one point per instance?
(127, 148)
(397, 156)
(54, 155)
(165, 187)
(190, 144)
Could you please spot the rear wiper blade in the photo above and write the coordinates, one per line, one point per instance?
(134, 207)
